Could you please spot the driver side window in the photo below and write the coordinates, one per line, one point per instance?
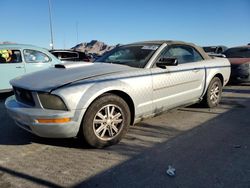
(33, 56)
(184, 54)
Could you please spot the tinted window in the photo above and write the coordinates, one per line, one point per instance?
(65, 55)
(210, 49)
(184, 54)
(33, 56)
(131, 55)
(69, 55)
(238, 52)
(214, 49)
(10, 56)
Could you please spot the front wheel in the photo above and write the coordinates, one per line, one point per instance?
(213, 94)
(106, 121)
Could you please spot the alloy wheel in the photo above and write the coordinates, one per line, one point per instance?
(108, 122)
(215, 93)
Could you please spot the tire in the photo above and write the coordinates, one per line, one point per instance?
(213, 94)
(106, 121)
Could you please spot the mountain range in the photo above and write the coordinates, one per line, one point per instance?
(93, 46)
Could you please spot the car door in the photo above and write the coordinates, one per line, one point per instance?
(180, 84)
(11, 66)
(36, 60)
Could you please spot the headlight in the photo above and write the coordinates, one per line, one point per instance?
(52, 102)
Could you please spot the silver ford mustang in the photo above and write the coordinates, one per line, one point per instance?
(100, 100)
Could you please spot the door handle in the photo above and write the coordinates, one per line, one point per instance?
(196, 70)
(19, 67)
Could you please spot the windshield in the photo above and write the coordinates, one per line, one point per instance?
(131, 55)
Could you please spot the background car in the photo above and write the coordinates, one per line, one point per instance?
(214, 49)
(19, 59)
(239, 58)
(71, 55)
(126, 85)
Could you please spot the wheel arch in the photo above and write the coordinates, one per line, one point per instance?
(127, 99)
(209, 79)
(220, 76)
(122, 95)
(205, 100)
(119, 93)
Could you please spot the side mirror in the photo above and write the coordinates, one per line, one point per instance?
(163, 62)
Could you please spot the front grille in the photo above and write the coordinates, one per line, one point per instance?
(24, 96)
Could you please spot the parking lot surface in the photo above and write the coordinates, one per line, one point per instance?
(207, 147)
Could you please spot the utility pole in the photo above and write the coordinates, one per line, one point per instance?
(77, 33)
(51, 29)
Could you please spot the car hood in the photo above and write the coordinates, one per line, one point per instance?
(63, 74)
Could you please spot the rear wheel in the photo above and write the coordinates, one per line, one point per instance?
(106, 121)
(213, 94)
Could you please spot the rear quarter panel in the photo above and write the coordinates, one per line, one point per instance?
(217, 66)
